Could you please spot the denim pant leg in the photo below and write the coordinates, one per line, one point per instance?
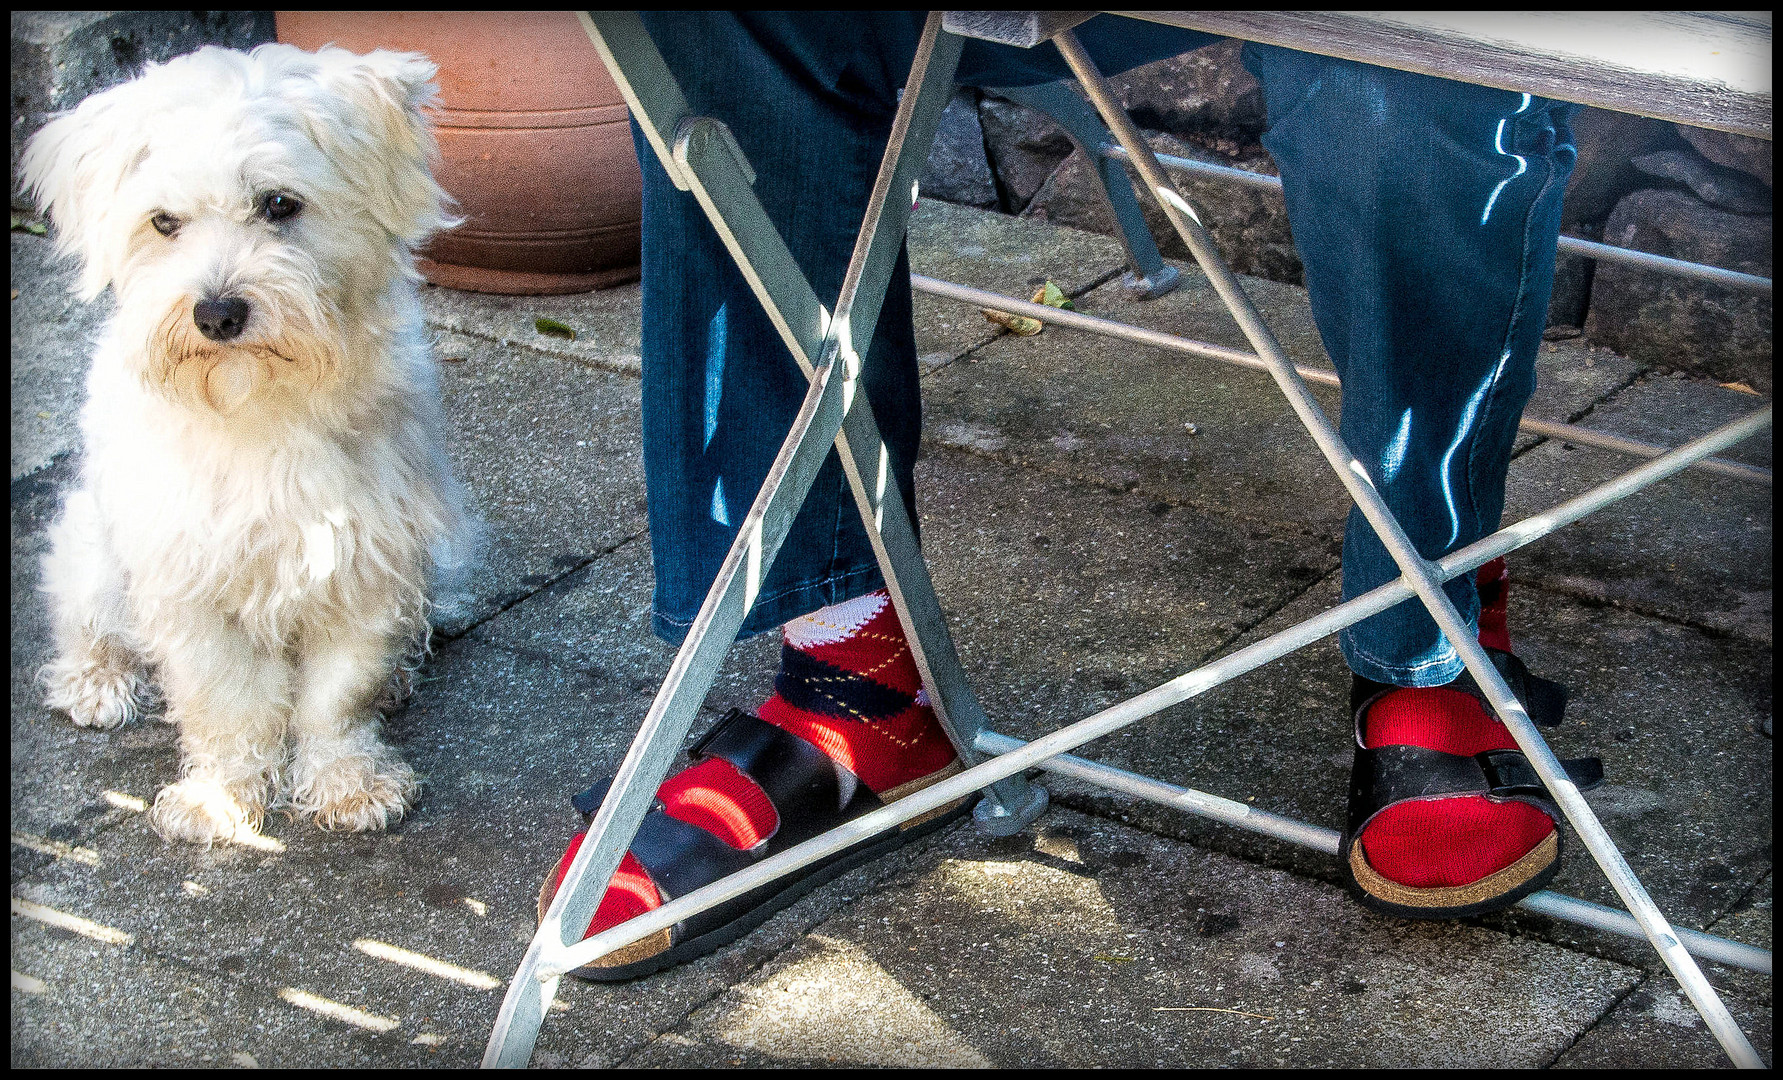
(810, 97)
(811, 106)
(1426, 212)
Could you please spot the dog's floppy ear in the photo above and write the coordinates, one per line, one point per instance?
(371, 121)
(73, 169)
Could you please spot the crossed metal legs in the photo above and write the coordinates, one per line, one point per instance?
(700, 156)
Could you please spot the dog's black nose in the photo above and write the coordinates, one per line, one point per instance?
(222, 319)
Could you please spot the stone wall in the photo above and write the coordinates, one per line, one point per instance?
(1646, 184)
(60, 57)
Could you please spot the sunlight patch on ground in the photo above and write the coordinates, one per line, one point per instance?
(49, 916)
(126, 802)
(334, 1010)
(841, 1006)
(439, 969)
(46, 846)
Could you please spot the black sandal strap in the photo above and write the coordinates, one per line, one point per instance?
(1543, 699)
(680, 857)
(810, 791)
(1388, 775)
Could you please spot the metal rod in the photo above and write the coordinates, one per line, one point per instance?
(1010, 804)
(1161, 697)
(1319, 838)
(1569, 245)
(1077, 320)
(1355, 478)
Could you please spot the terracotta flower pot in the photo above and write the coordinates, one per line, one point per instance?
(534, 145)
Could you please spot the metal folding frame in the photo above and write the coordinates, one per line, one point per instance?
(702, 157)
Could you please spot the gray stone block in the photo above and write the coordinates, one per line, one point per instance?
(1207, 90)
(1249, 226)
(958, 170)
(1025, 147)
(1604, 173)
(1748, 155)
(1677, 323)
(1723, 189)
(60, 57)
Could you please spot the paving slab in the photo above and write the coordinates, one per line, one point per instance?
(1673, 712)
(1656, 1028)
(548, 449)
(1065, 597)
(1695, 548)
(52, 333)
(1194, 432)
(993, 251)
(1093, 944)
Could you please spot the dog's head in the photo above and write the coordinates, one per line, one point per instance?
(247, 210)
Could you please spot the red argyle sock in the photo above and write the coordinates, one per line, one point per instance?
(1446, 842)
(849, 686)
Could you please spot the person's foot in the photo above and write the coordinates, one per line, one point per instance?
(847, 729)
(1446, 818)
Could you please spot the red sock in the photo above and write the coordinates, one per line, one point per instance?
(849, 686)
(1495, 593)
(1444, 842)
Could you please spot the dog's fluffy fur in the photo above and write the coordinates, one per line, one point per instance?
(259, 517)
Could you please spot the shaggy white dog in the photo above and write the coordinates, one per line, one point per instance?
(264, 497)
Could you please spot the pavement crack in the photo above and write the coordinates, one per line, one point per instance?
(1598, 1020)
(1635, 607)
(515, 601)
(1586, 410)
(1269, 613)
(595, 363)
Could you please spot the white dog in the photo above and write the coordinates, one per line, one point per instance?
(264, 497)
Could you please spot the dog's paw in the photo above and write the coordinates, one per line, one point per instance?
(356, 794)
(202, 811)
(93, 695)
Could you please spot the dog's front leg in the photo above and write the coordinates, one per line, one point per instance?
(231, 701)
(341, 772)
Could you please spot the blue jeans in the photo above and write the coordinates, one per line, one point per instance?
(1425, 211)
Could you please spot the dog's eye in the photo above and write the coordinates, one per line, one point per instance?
(165, 224)
(279, 207)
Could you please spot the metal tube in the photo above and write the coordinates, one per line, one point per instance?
(1570, 245)
(1319, 838)
(1412, 565)
(1092, 324)
(1161, 697)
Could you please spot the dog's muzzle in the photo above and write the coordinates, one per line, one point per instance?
(221, 319)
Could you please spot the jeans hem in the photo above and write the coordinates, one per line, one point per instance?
(1430, 673)
(782, 607)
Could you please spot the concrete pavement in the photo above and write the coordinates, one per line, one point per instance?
(1086, 547)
